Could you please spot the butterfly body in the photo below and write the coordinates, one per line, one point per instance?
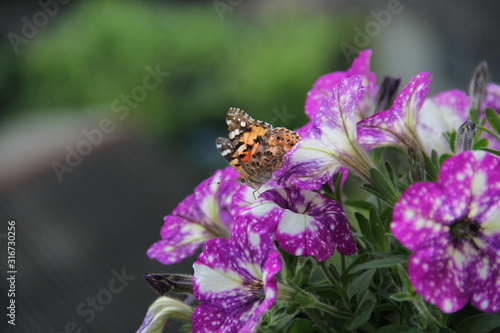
(254, 148)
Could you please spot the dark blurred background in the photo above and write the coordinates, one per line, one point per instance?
(109, 112)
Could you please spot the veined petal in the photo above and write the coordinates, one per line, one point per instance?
(397, 126)
(304, 222)
(203, 215)
(323, 87)
(182, 242)
(311, 165)
(330, 143)
(234, 280)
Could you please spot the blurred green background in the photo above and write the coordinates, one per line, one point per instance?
(67, 66)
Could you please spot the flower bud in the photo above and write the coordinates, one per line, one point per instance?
(387, 93)
(465, 137)
(163, 283)
(477, 86)
(417, 169)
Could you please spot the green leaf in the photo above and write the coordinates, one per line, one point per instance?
(378, 231)
(481, 323)
(493, 119)
(345, 277)
(402, 297)
(393, 329)
(474, 115)
(452, 140)
(496, 152)
(360, 284)
(481, 143)
(384, 186)
(303, 273)
(365, 227)
(363, 313)
(381, 263)
(390, 172)
(431, 165)
(360, 204)
(300, 325)
(443, 158)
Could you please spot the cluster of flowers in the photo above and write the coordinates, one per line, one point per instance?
(421, 244)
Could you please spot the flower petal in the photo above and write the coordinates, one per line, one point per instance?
(441, 114)
(329, 143)
(439, 272)
(396, 126)
(420, 215)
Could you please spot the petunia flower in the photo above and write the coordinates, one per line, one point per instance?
(398, 125)
(203, 215)
(161, 310)
(330, 143)
(304, 222)
(234, 281)
(323, 87)
(453, 228)
(442, 114)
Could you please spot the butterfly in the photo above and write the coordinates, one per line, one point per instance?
(254, 148)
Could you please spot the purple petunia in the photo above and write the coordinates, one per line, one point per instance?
(453, 228)
(330, 143)
(203, 215)
(398, 125)
(234, 281)
(323, 87)
(304, 222)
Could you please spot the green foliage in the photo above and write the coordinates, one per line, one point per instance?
(99, 52)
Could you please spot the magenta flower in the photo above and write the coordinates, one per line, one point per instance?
(398, 125)
(323, 87)
(234, 281)
(203, 215)
(453, 229)
(330, 143)
(304, 222)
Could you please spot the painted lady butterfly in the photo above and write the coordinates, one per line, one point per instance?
(254, 148)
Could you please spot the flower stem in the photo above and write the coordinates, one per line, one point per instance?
(331, 310)
(328, 274)
(317, 320)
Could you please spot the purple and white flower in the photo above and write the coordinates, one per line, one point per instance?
(398, 125)
(203, 215)
(304, 222)
(442, 114)
(330, 143)
(453, 228)
(323, 87)
(163, 309)
(234, 281)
